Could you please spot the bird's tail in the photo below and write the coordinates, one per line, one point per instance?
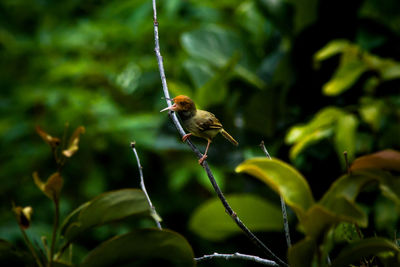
(229, 137)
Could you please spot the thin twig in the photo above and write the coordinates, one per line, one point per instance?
(31, 248)
(153, 209)
(283, 205)
(237, 256)
(178, 126)
(55, 227)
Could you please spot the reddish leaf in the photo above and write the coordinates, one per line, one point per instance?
(73, 142)
(52, 188)
(52, 141)
(387, 159)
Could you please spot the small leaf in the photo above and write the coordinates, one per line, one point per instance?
(355, 251)
(282, 178)
(52, 141)
(332, 48)
(23, 216)
(52, 187)
(73, 142)
(345, 76)
(211, 222)
(145, 245)
(345, 137)
(386, 159)
(106, 208)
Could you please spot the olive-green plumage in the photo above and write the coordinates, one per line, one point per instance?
(198, 122)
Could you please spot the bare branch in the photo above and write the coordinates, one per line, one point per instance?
(237, 256)
(283, 205)
(153, 209)
(197, 152)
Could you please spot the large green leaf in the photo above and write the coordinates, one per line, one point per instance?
(216, 46)
(143, 245)
(282, 178)
(105, 208)
(306, 13)
(210, 220)
(355, 251)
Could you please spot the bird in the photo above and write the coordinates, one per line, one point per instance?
(198, 122)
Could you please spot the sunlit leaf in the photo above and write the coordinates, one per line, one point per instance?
(211, 222)
(312, 138)
(332, 48)
(52, 187)
(105, 208)
(345, 76)
(324, 119)
(145, 245)
(73, 142)
(345, 137)
(387, 159)
(52, 141)
(355, 251)
(282, 178)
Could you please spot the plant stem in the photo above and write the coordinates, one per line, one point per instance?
(55, 227)
(31, 248)
(174, 118)
(237, 256)
(283, 205)
(153, 209)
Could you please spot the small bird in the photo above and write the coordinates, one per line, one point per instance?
(198, 122)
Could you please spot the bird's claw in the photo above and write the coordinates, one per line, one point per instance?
(185, 137)
(203, 158)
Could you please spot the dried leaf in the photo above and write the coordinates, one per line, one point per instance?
(52, 188)
(52, 141)
(387, 159)
(23, 215)
(73, 142)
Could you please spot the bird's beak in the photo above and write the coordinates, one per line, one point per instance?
(173, 108)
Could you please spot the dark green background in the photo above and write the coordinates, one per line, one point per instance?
(92, 63)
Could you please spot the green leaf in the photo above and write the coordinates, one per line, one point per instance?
(364, 248)
(345, 137)
(106, 208)
(386, 159)
(301, 253)
(217, 85)
(211, 222)
(332, 48)
(324, 119)
(282, 178)
(345, 76)
(144, 245)
(314, 137)
(306, 13)
(217, 46)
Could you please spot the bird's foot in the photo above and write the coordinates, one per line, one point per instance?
(203, 158)
(185, 137)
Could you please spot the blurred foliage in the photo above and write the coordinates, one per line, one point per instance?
(311, 78)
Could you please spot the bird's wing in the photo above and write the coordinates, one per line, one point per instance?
(207, 121)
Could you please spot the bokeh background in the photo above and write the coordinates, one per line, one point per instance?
(252, 63)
